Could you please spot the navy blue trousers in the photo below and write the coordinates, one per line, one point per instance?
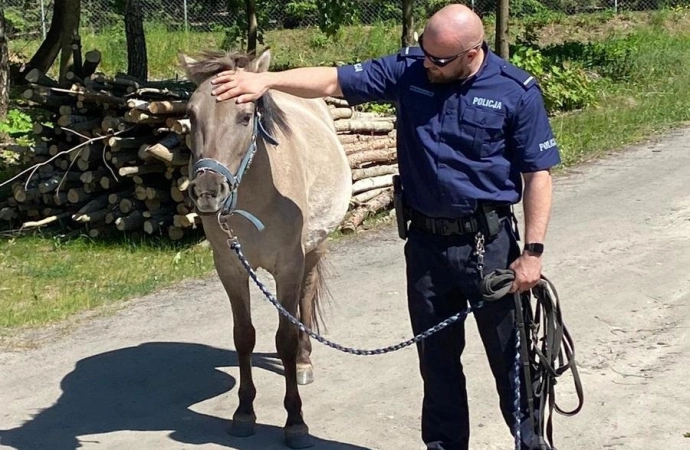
(442, 277)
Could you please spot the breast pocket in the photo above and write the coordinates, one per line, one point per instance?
(483, 131)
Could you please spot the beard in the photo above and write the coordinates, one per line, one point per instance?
(436, 76)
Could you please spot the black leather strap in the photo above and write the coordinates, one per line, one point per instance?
(547, 349)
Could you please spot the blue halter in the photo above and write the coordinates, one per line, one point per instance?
(234, 180)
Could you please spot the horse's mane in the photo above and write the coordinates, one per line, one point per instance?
(212, 62)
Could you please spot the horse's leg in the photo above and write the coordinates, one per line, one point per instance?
(289, 287)
(308, 304)
(236, 283)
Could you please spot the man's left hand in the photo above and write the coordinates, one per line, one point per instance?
(527, 270)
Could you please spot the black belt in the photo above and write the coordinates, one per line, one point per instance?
(447, 227)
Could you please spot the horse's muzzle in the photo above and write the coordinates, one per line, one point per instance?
(208, 190)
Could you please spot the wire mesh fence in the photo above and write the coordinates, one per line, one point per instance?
(30, 19)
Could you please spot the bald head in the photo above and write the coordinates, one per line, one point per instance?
(455, 26)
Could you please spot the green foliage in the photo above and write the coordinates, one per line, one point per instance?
(17, 125)
(335, 13)
(565, 86)
(612, 58)
(376, 107)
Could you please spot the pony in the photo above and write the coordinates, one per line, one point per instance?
(273, 175)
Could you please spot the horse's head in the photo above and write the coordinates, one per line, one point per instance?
(224, 134)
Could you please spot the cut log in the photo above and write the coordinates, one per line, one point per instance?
(46, 221)
(175, 233)
(337, 101)
(64, 180)
(130, 222)
(91, 217)
(173, 156)
(372, 183)
(23, 195)
(357, 216)
(35, 76)
(362, 158)
(341, 113)
(179, 126)
(91, 176)
(376, 144)
(111, 124)
(366, 196)
(364, 126)
(157, 222)
(114, 198)
(117, 143)
(77, 195)
(142, 117)
(141, 170)
(128, 205)
(96, 204)
(43, 131)
(7, 213)
(44, 100)
(374, 171)
(162, 149)
(168, 107)
(91, 60)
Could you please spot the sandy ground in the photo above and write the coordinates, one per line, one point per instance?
(161, 373)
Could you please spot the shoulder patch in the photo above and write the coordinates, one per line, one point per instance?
(411, 53)
(521, 77)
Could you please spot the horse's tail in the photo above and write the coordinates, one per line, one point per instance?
(316, 293)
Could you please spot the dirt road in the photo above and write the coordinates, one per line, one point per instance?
(162, 374)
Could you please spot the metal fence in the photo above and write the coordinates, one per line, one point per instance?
(29, 19)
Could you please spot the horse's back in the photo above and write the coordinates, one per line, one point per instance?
(325, 168)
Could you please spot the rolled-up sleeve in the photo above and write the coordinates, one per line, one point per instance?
(533, 142)
(369, 81)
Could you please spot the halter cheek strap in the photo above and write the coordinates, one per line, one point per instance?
(234, 180)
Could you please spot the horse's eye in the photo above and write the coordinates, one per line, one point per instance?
(245, 118)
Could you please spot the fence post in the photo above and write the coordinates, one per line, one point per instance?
(43, 19)
(186, 24)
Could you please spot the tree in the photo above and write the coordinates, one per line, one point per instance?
(502, 44)
(64, 27)
(4, 67)
(137, 60)
(408, 23)
(252, 26)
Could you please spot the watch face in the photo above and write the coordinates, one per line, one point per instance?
(535, 248)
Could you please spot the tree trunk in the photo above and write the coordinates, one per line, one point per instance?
(253, 26)
(4, 68)
(63, 27)
(137, 61)
(408, 24)
(502, 44)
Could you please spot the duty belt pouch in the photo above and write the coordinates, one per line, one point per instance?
(399, 205)
(488, 219)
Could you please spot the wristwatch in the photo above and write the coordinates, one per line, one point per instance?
(535, 247)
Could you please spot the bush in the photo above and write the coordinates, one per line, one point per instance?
(565, 86)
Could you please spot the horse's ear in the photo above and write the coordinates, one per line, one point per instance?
(187, 63)
(263, 62)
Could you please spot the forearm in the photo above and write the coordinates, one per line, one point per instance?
(536, 203)
(307, 82)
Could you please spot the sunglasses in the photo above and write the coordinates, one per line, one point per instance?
(442, 62)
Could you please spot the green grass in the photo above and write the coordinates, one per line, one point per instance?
(44, 281)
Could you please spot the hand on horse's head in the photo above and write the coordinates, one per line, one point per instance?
(243, 86)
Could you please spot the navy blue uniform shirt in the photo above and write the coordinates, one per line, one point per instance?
(462, 142)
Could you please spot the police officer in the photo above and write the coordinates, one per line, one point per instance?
(471, 129)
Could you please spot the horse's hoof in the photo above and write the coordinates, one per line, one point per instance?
(305, 374)
(243, 425)
(297, 436)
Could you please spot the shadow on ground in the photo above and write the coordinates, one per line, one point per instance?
(150, 387)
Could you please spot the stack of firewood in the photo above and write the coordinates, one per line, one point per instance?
(113, 156)
(369, 142)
